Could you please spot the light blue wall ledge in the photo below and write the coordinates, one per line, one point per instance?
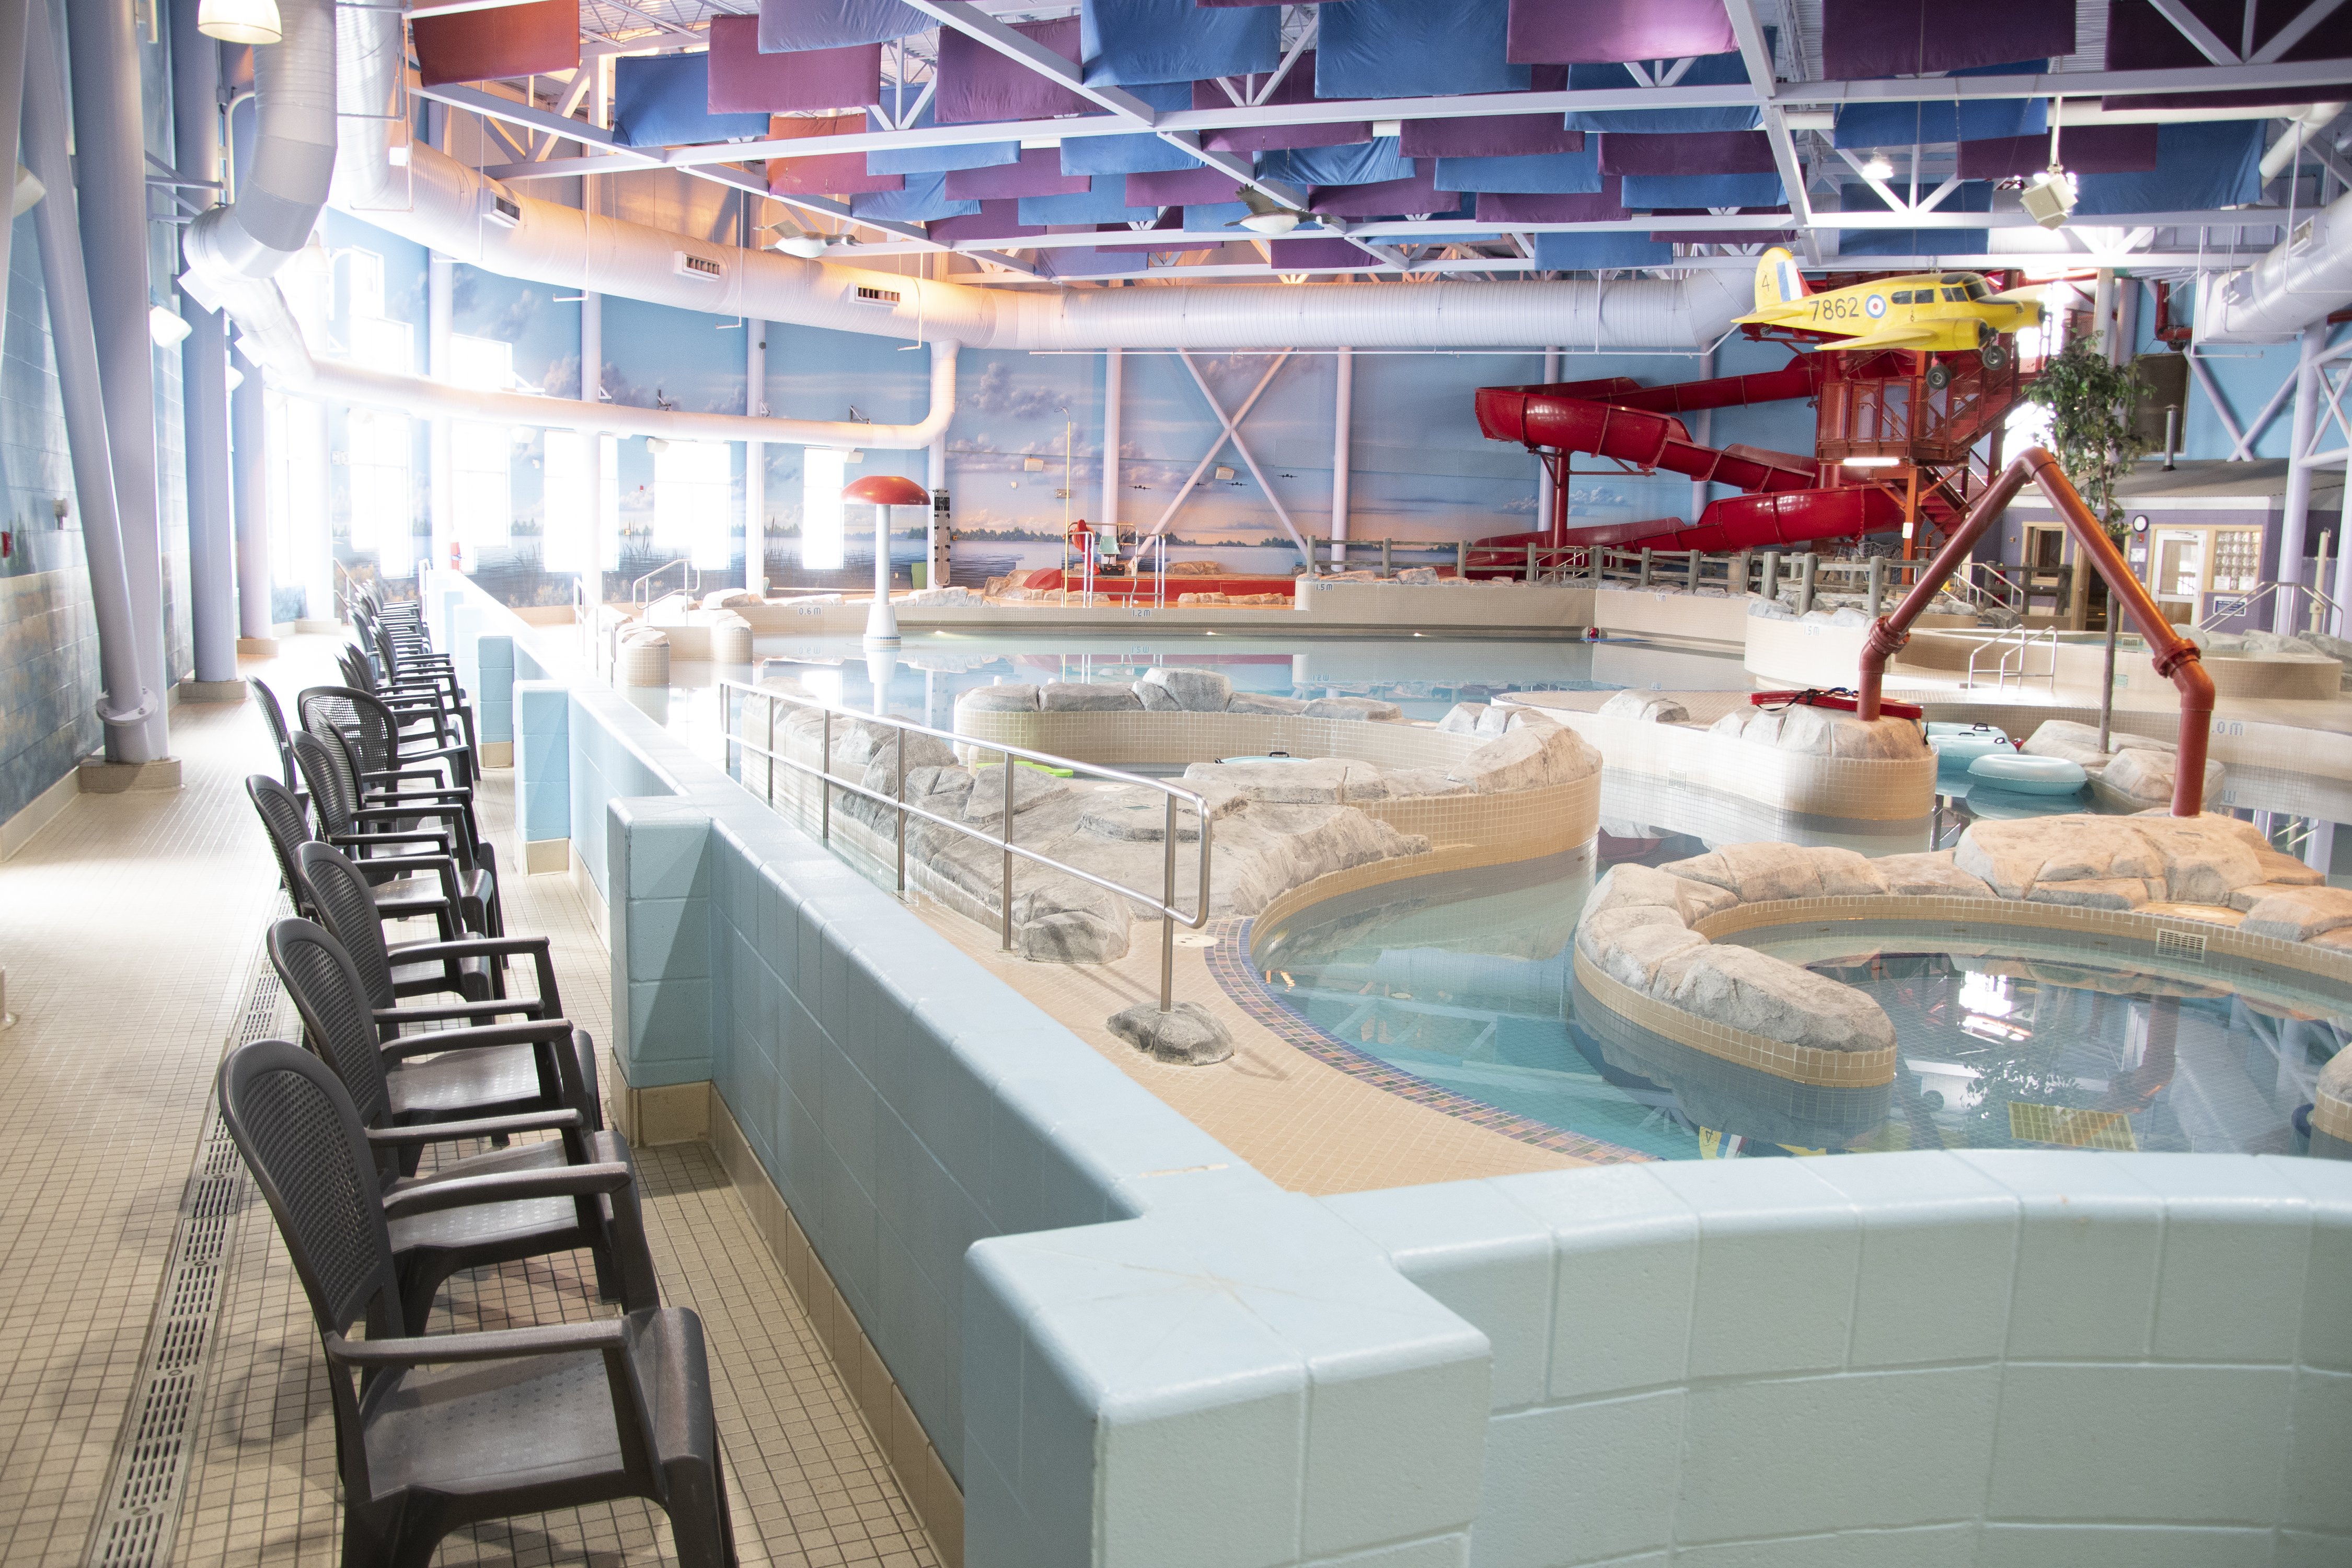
(1131, 1350)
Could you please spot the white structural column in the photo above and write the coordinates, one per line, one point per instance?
(1543, 469)
(440, 282)
(248, 415)
(592, 390)
(1702, 432)
(109, 141)
(937, 533)
(755, 460)
(1114, 394)
(203, 367)
(1343, 430)
(2294, 513)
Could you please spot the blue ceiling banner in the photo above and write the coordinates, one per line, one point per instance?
(1124, 42)
(1105, 202)
(936, 160)
(1647, 192)
(1089, 261)
(1548, 173)
(1705, 70)
(1973, 196)
(789, 24)
(1411, 48)
(664, 101)
(2201, 166)
(1143, 154)
(1558, 252)
(1918, 124)
(1355, 163)
(1217, 217)
(924, 198)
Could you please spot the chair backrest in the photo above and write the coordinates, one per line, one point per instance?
(289, 829)
(341, 900)
(358, 673)
(302, 1141)
(337, 1024)
(277, 717)
(365, 725)
(325, 768)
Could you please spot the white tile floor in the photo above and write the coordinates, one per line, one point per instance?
(128, 929)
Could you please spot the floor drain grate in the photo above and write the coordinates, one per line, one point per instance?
(161, 1430)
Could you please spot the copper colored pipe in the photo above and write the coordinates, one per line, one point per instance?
(2175, 656)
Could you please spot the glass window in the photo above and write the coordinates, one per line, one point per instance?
(580, 528)
(481, 473)
(384, 514)
(382, 345)
(824, 472)
(693, 504)
(1956, 294)
(1903, 296)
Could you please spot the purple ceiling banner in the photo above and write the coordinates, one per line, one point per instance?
(1389, 198)
(1918, 38)
(1687, 153)
(994, 220)
(830, 174)
(977, 83)
(1489, 136)
(1298, 87)
(1607, 207)
(1300, 255)
(1198, 186)
(743, 79)
(1039, 174)
(1221, 5)
(2139, 38)
(2084, 149)
(1607, 32)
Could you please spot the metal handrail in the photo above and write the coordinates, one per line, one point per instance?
(1170, 915)
(2246, 604)
(2002, 672)
(688, 581)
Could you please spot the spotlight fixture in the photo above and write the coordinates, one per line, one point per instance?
(1870, 462)
(165, 326)
(800, 243)
(2049, 200)
(1878, 168)
(240, 21)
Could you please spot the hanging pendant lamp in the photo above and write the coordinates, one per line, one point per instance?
(240, 21)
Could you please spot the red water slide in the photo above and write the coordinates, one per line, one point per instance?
(1621, 420)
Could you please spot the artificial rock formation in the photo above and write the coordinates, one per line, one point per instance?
(2135, 771)
(1187, 1034)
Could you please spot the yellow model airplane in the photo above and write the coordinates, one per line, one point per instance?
(1926, 312)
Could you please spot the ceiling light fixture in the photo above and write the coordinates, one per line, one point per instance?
(2048, 198)
(1878, 168)
(240, 21)
(165, 326)
(1271, 222)
(1870, 462)
(799, 243)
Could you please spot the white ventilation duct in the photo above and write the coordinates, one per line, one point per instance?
(284, 184)
(436, 201)
(274, 339)
(2303, 279)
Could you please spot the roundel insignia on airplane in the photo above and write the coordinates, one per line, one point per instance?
(1875, 306)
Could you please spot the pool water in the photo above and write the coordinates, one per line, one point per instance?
(2021, 1046)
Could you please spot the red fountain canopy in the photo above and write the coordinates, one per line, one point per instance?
(887, 489)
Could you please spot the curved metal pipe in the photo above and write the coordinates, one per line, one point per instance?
(2175, 656)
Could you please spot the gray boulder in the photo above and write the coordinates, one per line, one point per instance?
(1646, 707)
(1406, 784)
(1031, 789)
(1630, 945)
(1639, 887)
(1462, 719)
(1176, 688)
(1085, 697)
(1065, 921)
(1010, 697)
(1362, 709)
(1187, 1034)
(1135, 815)
(1265, 702)
(1744, 989)
(1929, 874)
(1298, 780)
(1529, 757)
(2300, 914)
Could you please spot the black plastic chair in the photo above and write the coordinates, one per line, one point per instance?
(439, 1074)
(401, 744)
(286, 825)
(276, 715)
(436, 1431)
(353, 784)
(347, 824)
(471, 968)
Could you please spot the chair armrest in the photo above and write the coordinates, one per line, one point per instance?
(479, 1127)
(507, 1187)
(606, 1334)
(542, 954)
(530, 1007)
(542, 1031)
(367, 840)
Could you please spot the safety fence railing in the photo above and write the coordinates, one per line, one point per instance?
(690, 581)
(2011, 659)
(749, 721)
(2319, 611)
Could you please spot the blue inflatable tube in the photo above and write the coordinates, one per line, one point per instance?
(2029, 775)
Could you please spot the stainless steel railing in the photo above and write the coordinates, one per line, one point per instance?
(737, 702)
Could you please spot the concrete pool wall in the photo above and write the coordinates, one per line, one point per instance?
(1087, 1333)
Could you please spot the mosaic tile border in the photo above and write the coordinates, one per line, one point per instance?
(2331, 1116)
(1808, 1065)
(1229, 962)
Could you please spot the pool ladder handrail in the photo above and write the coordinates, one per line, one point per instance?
(2013, 657)
(1164, 906)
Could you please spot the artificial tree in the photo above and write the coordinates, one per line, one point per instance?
(2092, 403)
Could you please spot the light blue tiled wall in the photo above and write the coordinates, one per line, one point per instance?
(49, 637)
(1134, 1352)
(542, 756)
(491, 682)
